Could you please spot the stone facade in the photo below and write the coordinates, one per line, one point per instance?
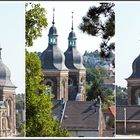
(58, 82)
(77, 81)
(7, 99)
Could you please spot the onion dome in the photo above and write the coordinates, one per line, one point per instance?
(72, 35)
(136, 69)
(73, 59)
(53, 31)
(53, 58)
(4, 74)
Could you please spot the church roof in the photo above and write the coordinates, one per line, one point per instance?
(132, 112)
(53, 31)
(72, 35)
(73, 59)
(81, 115)
(4, 74)
(78, 115)
(53, 59)
(136, 69)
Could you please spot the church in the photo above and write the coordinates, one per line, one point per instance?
(65, 75)
(128, 116)
(7, 102)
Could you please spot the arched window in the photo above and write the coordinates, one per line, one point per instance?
(9, 108)
(138, 100)
(63, 90)
(70, 82)
(3, 123)
(49, 84)
(137, 97)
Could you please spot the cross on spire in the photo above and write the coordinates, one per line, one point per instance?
(72, 22)
(53, 16)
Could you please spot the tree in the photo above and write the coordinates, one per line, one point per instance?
(35, 22)
(21, 130)
(39, 120)
(121, 96)
(100, 22)
(95, 81)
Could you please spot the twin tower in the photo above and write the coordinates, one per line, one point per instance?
(64, 73)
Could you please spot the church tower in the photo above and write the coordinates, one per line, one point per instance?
(77, 72)
(53, 65)
(7, 102)
(133, 83)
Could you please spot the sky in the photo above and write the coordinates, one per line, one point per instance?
(63, 22)
(12, 41)
(127, 39)
(12, 33)
(127, 35)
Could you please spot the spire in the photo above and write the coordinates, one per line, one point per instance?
(72, 22)
(53, 17)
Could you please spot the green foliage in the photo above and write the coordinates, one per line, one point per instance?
(121, 96)
(39, 120)
(21, 130)
(110, 123)
(96, 75)
(35, 22)
(95, 87)
(100, 22)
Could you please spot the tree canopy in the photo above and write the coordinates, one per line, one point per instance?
(35, 16)
(39, 119)
(95, 81)
(100, 22)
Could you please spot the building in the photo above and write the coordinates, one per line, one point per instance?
(128, 116)
(64, 73)
(134, 83)
(7, 102)
(66, 77)
(77, 72)
(80, 118)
